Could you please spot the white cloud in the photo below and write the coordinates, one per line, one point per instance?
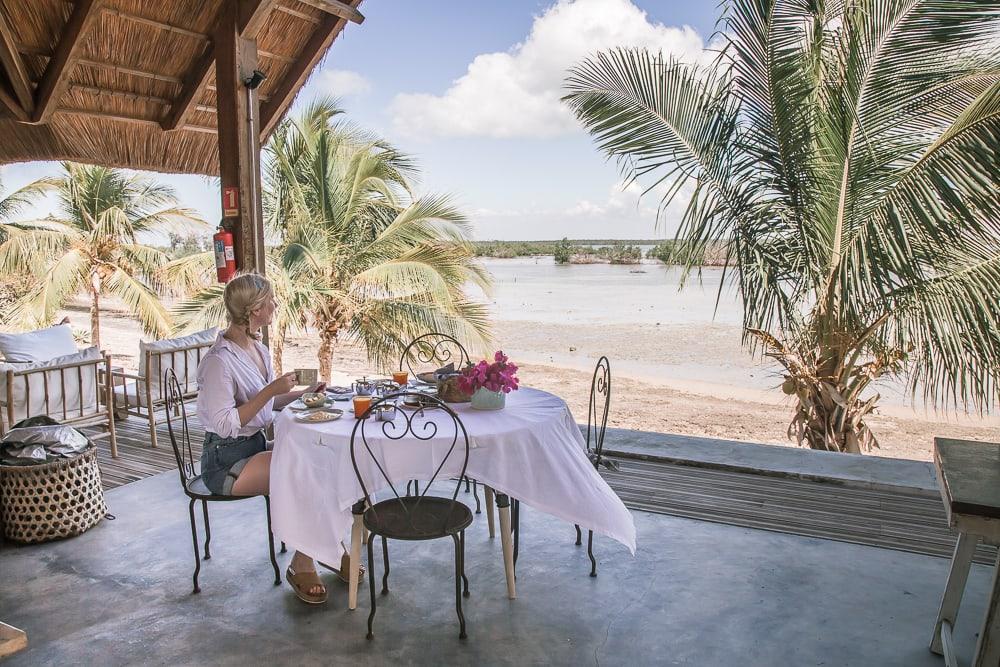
(340, 83)
(516, 93)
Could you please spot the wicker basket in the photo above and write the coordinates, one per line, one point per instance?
(46, 502)
(449, 392)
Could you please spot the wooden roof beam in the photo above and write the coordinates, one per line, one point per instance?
(339, 9)
(67, 53)
(127, 119)
(12, 106)
(253, 14)
(298, 72)
(13, 65)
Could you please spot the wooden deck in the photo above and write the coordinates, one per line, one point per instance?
(136, 459)
(890, 520)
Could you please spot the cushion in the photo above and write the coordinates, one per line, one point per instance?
(126, 395)
(41, 345)
(29, 392)
(184, 364)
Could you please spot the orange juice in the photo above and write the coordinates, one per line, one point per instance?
(361, 405)
(400, 378)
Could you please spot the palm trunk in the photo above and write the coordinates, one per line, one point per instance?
(278, 348)
(830, 412)
(327, 337)
(95, 316)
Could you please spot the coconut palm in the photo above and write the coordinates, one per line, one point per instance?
(14, 204)
(92, 246)
(848, 153)
(359, 257)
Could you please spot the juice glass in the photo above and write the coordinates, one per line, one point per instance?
(400, 378)
(361, 405)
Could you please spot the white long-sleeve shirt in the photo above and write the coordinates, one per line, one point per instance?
(227, 378)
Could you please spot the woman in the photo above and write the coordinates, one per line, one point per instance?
(237, 393)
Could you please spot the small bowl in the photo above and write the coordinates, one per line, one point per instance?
(313, 400)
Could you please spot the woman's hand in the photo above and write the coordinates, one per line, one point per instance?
(316, 388)
(282, 384)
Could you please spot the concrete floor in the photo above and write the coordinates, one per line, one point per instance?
(695, 594)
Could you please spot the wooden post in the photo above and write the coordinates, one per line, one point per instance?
(238, 117)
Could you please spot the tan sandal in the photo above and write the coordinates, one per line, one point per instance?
(345, 567)
(301, 582)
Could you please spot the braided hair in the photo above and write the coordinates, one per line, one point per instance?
(244, 294)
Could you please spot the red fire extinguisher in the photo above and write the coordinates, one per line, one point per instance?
(225, 255)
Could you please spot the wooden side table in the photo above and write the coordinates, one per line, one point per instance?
(969, 476)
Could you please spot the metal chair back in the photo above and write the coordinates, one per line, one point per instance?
(597, 409)
(177, 427)
(411, 421)
(433, 348)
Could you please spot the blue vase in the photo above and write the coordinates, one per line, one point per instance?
(484, 399)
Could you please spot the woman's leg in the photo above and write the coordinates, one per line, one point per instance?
(255, 479)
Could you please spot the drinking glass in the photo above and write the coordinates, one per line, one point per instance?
(361, 405)
(400, 378)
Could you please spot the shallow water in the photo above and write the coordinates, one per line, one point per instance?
(539, 290)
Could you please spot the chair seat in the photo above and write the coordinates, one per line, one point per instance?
(417, 518)
(196, 486)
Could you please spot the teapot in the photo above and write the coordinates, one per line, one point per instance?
(364, 387)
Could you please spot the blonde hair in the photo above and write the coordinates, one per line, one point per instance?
(244, 294)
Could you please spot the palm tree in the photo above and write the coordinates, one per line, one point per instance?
(93, 247)
(13, 285)
(359, 257)
(848, 153)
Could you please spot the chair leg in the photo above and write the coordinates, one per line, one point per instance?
(578, 535)
(152, 428)
(197, 554)
(112, 436)
(371, 587)
(458, 586)
(590, 553)
(409, 483)
(465, 579)
(467, 488)
(270, 542)
(475, 493)
(516, 517)
(283, 547)
(385, 562)
(208, 529)
(489, 510)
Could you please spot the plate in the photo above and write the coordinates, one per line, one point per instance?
(427, 378)
(414, 402)
(318, 416)
(297, 406)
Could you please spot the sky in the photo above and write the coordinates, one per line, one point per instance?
(471, 90)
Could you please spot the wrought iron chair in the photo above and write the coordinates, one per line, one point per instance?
(597, 422)
(411, 517)
(439, 348)
(194, 487)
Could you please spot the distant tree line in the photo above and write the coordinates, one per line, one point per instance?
(599, 251)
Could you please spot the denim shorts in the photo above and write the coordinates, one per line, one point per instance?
(223, 459)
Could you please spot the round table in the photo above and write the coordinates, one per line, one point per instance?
(531, 450)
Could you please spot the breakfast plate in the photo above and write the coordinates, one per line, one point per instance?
(318, 415)
(297, 405)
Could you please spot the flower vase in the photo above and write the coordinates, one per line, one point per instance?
(484, 399)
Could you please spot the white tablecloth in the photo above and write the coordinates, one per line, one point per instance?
(531, 450)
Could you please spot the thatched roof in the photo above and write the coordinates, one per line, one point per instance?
(105, 81)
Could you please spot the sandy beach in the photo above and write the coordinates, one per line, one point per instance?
(678, 363)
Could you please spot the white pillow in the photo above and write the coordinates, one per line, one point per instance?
(41, 345)
(185, 364)
(28, 397)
